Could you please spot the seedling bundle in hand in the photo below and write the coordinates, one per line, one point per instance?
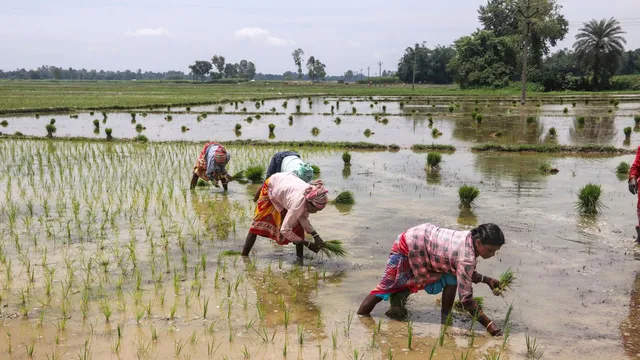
(506, 281)
(333, 249)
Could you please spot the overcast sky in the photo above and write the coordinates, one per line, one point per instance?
(165, 35)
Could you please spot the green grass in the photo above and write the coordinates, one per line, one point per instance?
(623, 168)
(468, 195)
(589, 202)
(606, 149)
(434, 147)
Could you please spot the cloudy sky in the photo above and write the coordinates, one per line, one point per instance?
(162, 35)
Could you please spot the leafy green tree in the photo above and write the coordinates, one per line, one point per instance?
(599, 46)
(218, 62)
(629, 63)
(348, 75)
(484, 60)
(200, 69)
(431, 64)
(297, 59)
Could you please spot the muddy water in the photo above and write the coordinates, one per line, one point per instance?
(576, 290)
(502, 123)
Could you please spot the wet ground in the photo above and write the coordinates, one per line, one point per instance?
(115, 223)
(402, 122)
(96, 229)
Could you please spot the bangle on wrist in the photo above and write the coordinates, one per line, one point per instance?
(489, 324)
(482, 281)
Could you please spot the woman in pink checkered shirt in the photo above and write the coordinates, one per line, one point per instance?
(437, 259)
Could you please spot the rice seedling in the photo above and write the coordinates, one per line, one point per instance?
(589, 202)
(344, 198)
(300, 334)
(636, 119)
(271, 128)
(346, 158)
(4, 123)
(367, 132)
(141, 138)
(552, 132)
(479, 118)
(333, 249)
(616, 103)
(581, 120)
(433, 161)
(573, 104)
(457, 305)
(627, 132)
(409, 334)
(184, 128)
(531, 120)
(315, 131)
(506, 280)
(238, 127)
(450, 109)
(255, 174)
(51, 128)
(467, 195)
(565, 110)
(623, 168)
(316, 170)
(108, 132)
(533, 352)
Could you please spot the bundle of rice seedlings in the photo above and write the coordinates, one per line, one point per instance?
(467, 195)
(203, 183)
(346, 158)
(272, 127)
(506, 280)
(333, 249)
(344, 198)
(627, 132)
(623, 168)
(433, 160)
(553, 132)
(581, 120)
(565, 110)
(238, 127)
(545, 168)
(637, 119)
(316, 170)
(531, 119)
(435, 132)
(239, 177)
(479, 118)
(589, 202)
(255, 174)
(367, 132)
(315, 131)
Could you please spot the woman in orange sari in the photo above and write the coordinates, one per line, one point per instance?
(282, 212)
(211, 165)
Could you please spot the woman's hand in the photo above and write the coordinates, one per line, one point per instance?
(313, 246)
(494, 330)
(493, 283)
(633, 186)
(317, 239)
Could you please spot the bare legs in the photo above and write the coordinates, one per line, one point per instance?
(368, 304)
(194, 181)
(448, 297)
(251, 240)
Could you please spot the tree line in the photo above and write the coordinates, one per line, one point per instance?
(244, 70)
(513, 45)
(58, 73)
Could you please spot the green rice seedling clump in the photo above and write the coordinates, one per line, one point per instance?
(505, 281)
(367, 132)
(316, 170)
(238, 127)
(202, 183)
(623, 168)
(4, 123)
(531, 119)
(108, 132)
(589, 202)
(315, 131)
(552, 132)
(345, 198)
(333, 249)
(255, 174)
(627, 132)
(565, 110)
(433, 160)
(141, 138)
(346, 158)
(581, 120)
(636, 119)
(271, 127)
(435, 132)
(479, 118)
(467, 195)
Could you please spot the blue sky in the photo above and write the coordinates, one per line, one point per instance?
(169, 34)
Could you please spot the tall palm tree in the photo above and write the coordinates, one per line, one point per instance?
(599, 45)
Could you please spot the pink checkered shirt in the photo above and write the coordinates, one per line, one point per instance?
(437, 250)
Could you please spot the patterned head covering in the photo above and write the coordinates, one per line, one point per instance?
(220, 156)
(304, 172)
(316, 194)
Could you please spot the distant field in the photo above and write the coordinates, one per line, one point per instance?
(16, 96)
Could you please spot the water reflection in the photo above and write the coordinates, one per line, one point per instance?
(219, 215)
(467, 217)
(595, 130)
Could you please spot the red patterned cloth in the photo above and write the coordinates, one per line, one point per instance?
(267, 220)
(200, 168)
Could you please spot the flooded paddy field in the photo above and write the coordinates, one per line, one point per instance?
(390, 120)
(105, 253)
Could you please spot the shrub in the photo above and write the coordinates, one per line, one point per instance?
(345, 198)
(589, 202)
(238, 127)
(255, 174)
(315, 131)
(623, 168)
(346, 158)
(627, 132)
(433, 160)
(141, 138)
(468, 195)
(108, 131)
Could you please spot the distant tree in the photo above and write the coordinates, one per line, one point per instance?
(231, 70)
(297, 59)
(348, 75)
(311, 66)
(629, 63)
(288, 75)
(319, 70)
(200, 69)
(431, 64)
(599, 46)
(218, 62)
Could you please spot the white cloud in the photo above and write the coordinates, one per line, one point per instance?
(149, 32)
(262, 35)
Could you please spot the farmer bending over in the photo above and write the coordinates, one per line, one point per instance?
(282, 212)
(437, 259)
(288, 161)
(634, 172)
(211, 165)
